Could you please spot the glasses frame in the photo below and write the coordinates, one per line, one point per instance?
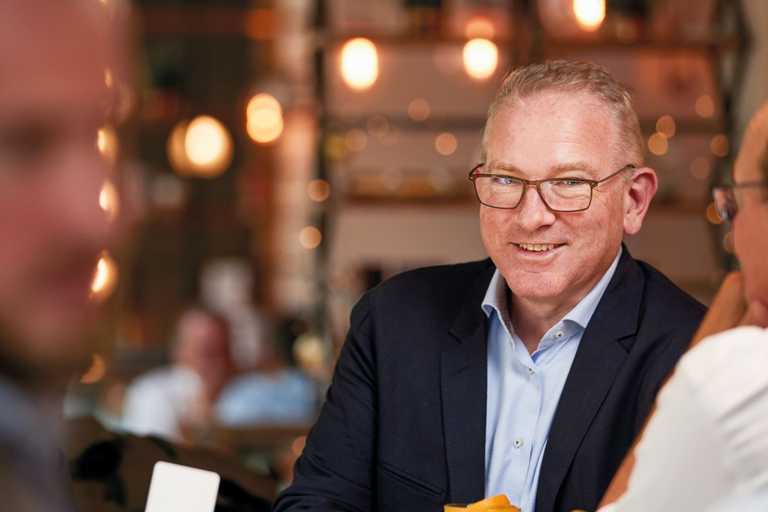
(473, 175)
(728, 207)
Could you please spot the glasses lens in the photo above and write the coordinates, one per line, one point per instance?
(499, 191)
(566, 195)
(725, 203)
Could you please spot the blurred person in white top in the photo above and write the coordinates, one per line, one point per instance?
(167, 400)
(708, 438)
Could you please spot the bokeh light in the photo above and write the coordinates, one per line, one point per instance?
(705, 106)
(479, 26)
(96, 371)
(108, 144)
(319, 190)
(719, 145)
(446, 144)
(359, 63)
(356, 140)
(481, 57)
(109, 200)
(589, 13)
(419, 109)
(666, 126)
(658, 144)
(264, 118)
(202, 147)
(310, 237)
(701, 168)
(104, 278)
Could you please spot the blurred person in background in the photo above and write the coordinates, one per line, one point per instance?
(708, 437)
(278, 392)
(530, 373)
(53, 100)
(168, 400)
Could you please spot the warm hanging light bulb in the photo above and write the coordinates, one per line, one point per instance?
(589, 13)
(481, 56)
(264, 118)
(359, 63)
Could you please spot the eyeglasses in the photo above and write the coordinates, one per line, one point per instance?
(727, 200)
(558, 194)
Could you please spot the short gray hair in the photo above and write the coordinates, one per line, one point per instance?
(575, 76)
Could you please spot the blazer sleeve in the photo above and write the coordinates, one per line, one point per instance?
(335, 471)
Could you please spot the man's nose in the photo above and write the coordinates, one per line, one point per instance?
(532, 212)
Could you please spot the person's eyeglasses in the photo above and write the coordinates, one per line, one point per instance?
(727, 200)
(562, 194)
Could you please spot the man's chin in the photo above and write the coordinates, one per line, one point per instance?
(46, 357)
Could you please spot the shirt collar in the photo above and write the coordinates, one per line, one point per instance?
(496, 298)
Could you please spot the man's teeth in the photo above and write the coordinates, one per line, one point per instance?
(537, 247)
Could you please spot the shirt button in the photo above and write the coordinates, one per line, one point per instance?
(559, 334)
(518, 443)
(531, 371)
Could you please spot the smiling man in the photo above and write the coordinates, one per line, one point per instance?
(527, 374)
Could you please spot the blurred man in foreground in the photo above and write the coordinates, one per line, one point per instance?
(59, 61)
(528, 374)
(708, 438)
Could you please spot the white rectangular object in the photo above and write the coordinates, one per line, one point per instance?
(176, 488)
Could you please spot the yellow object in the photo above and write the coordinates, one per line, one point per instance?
(498, 503)
(488, 503)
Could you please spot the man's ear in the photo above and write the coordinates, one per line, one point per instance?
(637, 198)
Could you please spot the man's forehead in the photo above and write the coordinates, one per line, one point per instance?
(60, 59)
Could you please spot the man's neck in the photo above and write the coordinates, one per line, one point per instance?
(532, 319)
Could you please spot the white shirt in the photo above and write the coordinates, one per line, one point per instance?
(709, 436)
(156, 402)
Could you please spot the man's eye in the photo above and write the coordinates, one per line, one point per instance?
(24, 145)
(568, 182)
(505, 180)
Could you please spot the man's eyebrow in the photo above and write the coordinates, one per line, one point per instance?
(561, 168)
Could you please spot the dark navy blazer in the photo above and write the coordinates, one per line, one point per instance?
(403, 426)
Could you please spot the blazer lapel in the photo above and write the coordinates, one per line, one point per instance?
(597, 362)
(463, 382)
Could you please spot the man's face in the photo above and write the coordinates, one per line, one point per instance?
(551, 257)
(751, 223)
(53, 99)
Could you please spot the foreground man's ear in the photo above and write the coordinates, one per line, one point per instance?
(637, 198)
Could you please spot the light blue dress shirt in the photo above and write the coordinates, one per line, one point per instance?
(523, 390)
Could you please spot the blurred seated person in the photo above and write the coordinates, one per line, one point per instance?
(277, 393)
(166, 400)
(708, 438)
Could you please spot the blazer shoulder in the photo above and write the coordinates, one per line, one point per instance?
(666, 300)
(435, 282)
